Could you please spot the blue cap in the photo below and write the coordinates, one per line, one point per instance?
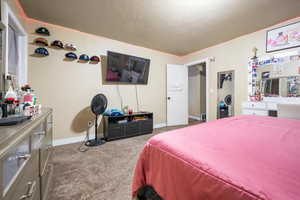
(71, 55)
(42, 51)
(84, 57)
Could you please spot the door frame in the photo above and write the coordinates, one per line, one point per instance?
(233, 98)
(207, 63)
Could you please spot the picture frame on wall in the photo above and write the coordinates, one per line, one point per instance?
(284, 37)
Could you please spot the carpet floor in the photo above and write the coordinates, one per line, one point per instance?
(101, 173)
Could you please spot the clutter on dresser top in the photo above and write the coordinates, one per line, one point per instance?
(18, 105)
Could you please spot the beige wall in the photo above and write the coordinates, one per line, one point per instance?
(68, 87)
(232, 55)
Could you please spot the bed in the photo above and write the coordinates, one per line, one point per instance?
(238, 158)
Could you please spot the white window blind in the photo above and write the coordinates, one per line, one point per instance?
(13, 51)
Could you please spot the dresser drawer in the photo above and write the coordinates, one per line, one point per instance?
(45, 152)
(49, 122)
(254, 105)
(272, 106)
(45, 181)
(37, 136)
(26, 184)
(255, 112)
(14, 160)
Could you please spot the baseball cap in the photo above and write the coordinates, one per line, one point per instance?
(41, 41)
(71, 47)
(57, 43)
(84, 57)
(95, 59)
(42, 31)
(42, 51)
(71, 55)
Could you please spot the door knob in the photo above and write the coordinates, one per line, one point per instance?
(169, 98)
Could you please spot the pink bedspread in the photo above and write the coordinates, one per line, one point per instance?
(239, 158)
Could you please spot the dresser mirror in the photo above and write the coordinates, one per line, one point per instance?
(278, 78)
(281, 87)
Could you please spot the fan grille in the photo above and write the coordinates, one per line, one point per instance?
(99, 104)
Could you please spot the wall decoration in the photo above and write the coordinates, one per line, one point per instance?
(57, 44)
(41, 42)
(42, 31)
(284, 37)
(41, 52)
(70, 47)
(71, 56)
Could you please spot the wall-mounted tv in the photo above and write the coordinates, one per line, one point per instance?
(127, 69)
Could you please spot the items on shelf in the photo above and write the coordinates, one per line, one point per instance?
(42, 31)
(71, 56)
(19, 102)
(41, 41)
(114, 112)
(138, 118)
(41, 51)
(57, 44)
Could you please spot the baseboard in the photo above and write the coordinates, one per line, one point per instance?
(161, 125)
(71, 140)
(195, 117)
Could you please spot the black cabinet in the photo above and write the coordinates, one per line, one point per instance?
(117, 127)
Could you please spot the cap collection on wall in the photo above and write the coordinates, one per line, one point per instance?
(41, 51)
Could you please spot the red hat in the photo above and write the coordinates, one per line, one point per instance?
(95, 59)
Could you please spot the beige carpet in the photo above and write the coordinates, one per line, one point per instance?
(101, 173)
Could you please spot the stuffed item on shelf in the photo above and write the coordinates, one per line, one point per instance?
(58, 44)
(41, 51)
(71, 56)
(41, 41)
(42, 31)
(70, 47)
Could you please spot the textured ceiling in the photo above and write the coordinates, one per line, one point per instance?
(174, 26)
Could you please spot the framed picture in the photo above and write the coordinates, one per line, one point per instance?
(284, 37)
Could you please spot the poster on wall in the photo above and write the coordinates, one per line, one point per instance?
(284, 37)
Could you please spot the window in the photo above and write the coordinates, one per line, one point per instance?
(14, 46)
(13, 52)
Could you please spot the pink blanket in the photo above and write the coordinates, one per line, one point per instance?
(239, 158)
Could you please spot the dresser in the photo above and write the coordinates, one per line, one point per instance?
(25, 164)
(259, 108)
(270, 106)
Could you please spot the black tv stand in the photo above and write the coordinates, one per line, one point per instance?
(128, 125)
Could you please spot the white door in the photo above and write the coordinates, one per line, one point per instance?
(177, 95)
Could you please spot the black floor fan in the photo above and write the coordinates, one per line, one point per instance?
(98, 107)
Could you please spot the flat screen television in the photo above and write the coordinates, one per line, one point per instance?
(122, 68)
